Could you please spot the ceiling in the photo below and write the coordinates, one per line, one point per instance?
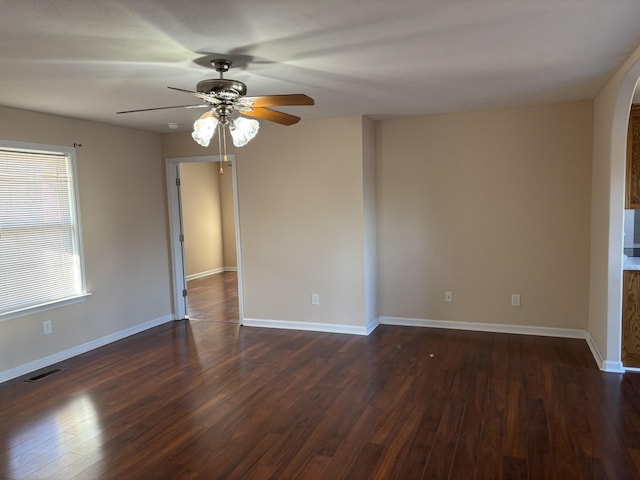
(89, 59)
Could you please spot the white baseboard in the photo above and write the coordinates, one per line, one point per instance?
(195, 276)
(613, 366)
(307, 326)
(208, 273)
(79, 349)
(609, 366)
(485, 327)
(597, 356)
(416, 322)
(371, 326)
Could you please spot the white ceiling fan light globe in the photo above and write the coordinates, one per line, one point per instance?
(203, 130)
(243, 130)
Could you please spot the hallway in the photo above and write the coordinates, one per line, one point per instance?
(214, 298)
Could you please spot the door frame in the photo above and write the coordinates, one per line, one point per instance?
(177, 263)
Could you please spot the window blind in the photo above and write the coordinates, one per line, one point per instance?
(39, 243)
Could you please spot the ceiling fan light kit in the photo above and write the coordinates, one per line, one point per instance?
(226, 97)
(243, 130)
(203, 130)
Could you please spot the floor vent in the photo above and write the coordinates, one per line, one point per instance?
(42, 375)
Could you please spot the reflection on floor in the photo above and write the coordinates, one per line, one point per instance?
(214, 298)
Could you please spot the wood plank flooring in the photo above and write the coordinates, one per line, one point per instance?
(212, 400)
(214, 298)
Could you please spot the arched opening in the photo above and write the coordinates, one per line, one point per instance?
(611, 117)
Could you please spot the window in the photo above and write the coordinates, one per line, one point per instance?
(40, 251)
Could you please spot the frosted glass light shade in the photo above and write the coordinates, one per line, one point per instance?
(203, 130)
(243, 130)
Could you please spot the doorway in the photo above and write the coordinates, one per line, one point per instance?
(205, 239)
(611, 121)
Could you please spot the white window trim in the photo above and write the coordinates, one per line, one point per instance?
(43, 307)
(71, 152)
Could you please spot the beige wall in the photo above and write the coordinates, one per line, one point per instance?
(486, 204)
(201, 218)
(301, 217)
(122, 203)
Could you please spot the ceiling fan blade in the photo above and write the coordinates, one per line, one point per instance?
(202, 96)
(272, 115)
(181, 90)
(200, 105)
(281, 100)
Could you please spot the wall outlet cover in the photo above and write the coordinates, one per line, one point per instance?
(515, 300)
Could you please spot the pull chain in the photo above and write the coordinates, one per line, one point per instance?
(224, 143)
(220, 134)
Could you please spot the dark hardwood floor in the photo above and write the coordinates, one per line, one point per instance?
(214, 298)
(213, 400)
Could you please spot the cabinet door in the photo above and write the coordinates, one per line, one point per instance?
(632, 199)
(631, 319)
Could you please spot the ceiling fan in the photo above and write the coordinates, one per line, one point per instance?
(223, 96)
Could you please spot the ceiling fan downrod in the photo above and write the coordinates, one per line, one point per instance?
(221, 65)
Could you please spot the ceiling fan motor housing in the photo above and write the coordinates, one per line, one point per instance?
(222, 87)
(226, 92)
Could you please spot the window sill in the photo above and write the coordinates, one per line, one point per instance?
(43, 307)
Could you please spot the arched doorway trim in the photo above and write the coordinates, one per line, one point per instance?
(611, 117)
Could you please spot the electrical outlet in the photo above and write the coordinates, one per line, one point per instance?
(315, 299)
(448, 297)
(46, 327)
(515, 300)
